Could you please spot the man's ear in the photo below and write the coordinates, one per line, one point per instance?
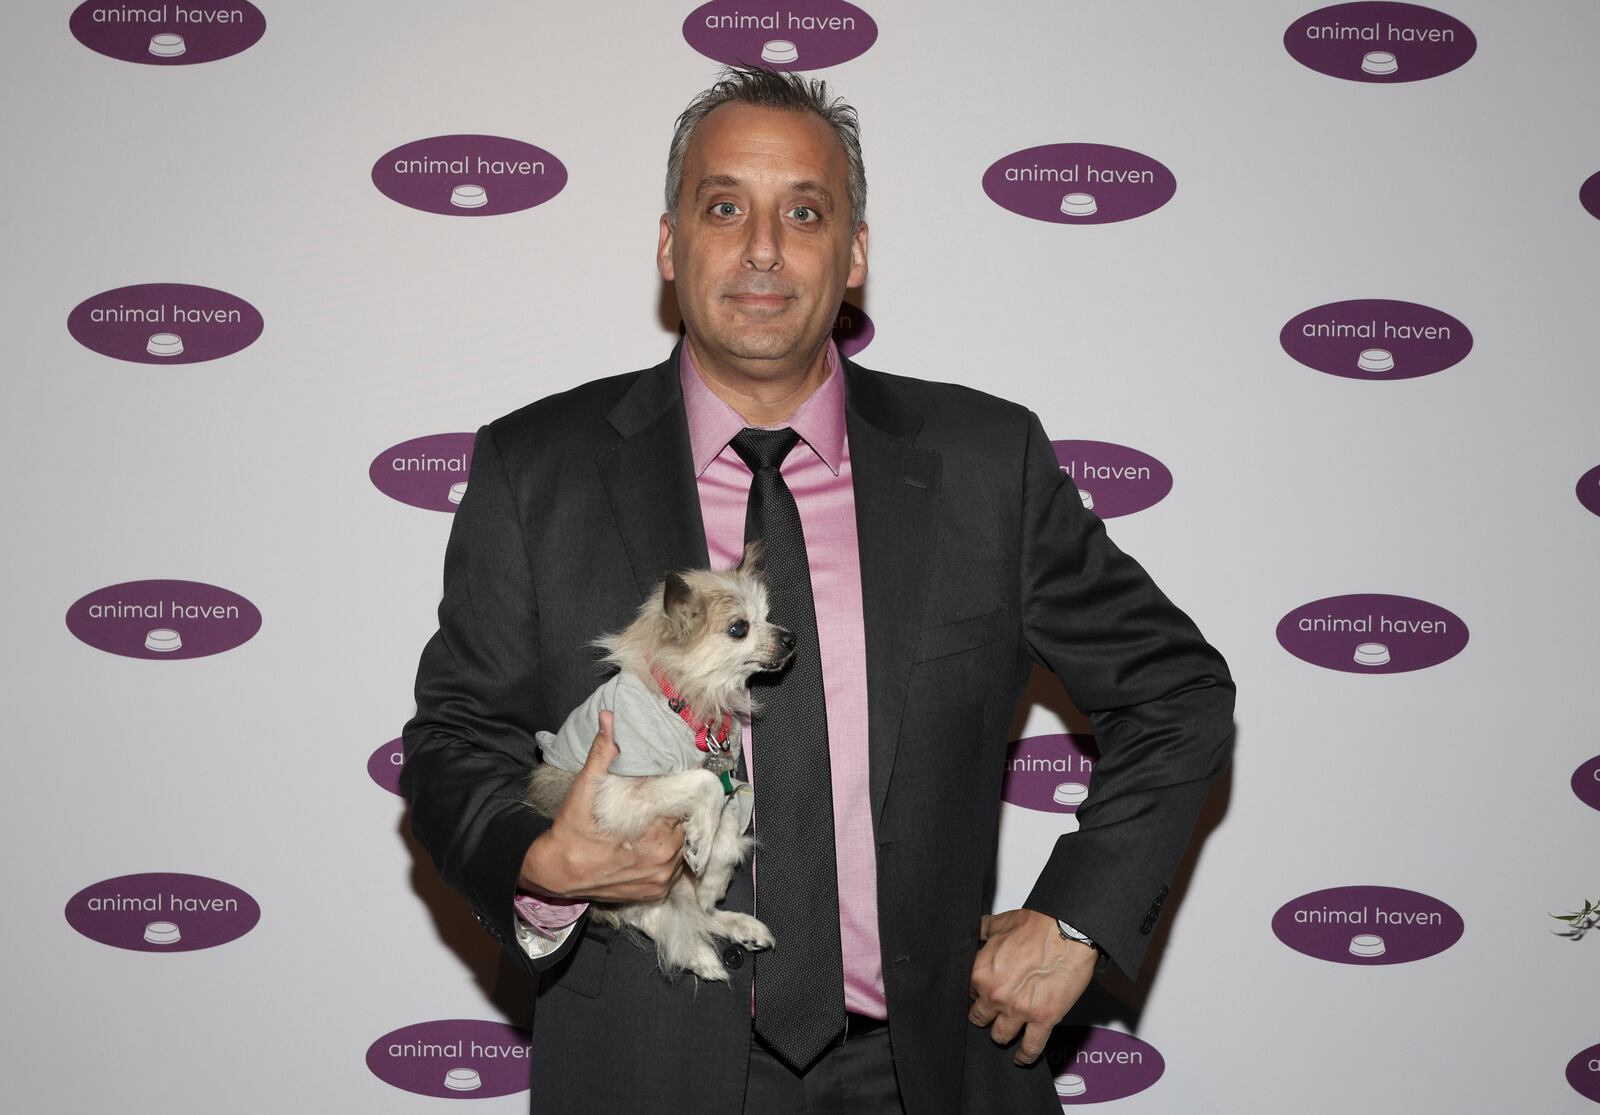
(664, 250)
(857, 276)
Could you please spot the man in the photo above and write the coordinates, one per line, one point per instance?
(944, 551)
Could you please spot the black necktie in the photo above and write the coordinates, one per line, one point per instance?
(800, 983)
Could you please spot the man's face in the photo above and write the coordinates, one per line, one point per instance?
(763, 248)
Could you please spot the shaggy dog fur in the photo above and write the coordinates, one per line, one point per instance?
(706, 632)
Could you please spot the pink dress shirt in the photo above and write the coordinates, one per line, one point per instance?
(817, 472)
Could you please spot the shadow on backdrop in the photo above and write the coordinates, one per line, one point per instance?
(1112, 997)
(502, 983)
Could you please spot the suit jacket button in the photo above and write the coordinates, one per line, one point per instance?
(733, 956)
(488, 926)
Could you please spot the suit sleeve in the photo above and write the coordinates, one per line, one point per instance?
(470, 747)
(1158, 695)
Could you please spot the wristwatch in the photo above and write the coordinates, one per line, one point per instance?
(1102, 962)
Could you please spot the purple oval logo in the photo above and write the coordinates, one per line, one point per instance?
(1376, 338)
(1112, 479)
(454, 1058)
(1372, 633)
(1079, 183)
(1092, 1064)
(1049, 773)
(469, 175)
(1367, 925)
(805, 35)
(180, 33)
(1583, 1073)
(163, 619)
(1586, 783)
(1380, 42)
(428, 472)
(383, 766)
(852, 330)
(164, 323)
(162, 912)
(1589, 490)
(1589, 194)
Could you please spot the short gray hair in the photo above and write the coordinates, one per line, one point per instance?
(756, 85)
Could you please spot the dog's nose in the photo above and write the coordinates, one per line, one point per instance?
(786, 638)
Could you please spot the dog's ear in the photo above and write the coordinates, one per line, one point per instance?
(676, 594)
(750, 560)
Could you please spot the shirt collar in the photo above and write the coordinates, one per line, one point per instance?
(713, 423)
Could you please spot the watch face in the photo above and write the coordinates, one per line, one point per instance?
(1070, 934)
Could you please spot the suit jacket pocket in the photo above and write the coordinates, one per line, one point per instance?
(960, 635)
(584, 971)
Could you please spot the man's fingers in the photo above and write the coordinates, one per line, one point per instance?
(603, 749)
(1003, 1029)
(983, 927)
(1006, 1027)
(1033, 1039)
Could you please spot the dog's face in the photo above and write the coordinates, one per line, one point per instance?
(718, 621)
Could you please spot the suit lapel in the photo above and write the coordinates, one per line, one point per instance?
(649, 478)
(897, 502)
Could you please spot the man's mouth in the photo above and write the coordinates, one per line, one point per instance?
(758, 300)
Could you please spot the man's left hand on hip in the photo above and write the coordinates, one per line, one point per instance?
(1026, 977)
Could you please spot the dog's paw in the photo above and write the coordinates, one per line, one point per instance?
(708, 965)
(696, 850)
(744, 930)
(698, 837)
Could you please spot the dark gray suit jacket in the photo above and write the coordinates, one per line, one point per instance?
(977, 558)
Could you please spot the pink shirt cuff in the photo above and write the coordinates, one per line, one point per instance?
(543, 915)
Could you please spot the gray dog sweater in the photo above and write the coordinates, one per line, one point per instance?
(652, 738)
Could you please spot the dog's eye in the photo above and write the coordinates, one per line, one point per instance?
(739, 629)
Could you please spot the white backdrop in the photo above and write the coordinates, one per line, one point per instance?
(252, 175)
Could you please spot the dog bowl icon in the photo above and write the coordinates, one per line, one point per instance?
(779, 52)
(1379, 62)
(1367, 944)
(463, 1080)
(162, 933)
(1375, 360)
(164, 344)
(163, 640)
(1372, 654)
(1070, 1084)
(1070, 793)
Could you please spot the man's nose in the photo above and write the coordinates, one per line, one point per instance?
(763, 251)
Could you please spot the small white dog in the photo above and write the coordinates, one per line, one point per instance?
(678, 702)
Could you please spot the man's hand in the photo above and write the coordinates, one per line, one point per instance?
(573, 859)
(1025, 978)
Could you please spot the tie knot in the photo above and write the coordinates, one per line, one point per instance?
(764, 448)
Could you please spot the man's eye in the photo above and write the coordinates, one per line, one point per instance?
(803, 213)
(739, 629)
(725, 209)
